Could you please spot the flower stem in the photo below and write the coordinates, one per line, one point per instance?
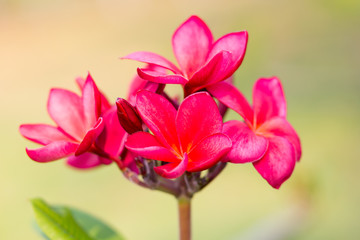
(184, 204)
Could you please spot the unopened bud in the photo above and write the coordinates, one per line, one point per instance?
(128, 116)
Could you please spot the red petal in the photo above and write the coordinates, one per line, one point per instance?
(65, 108)
(86, 160)
(173, 170)
(246, 145)
(138, 83)
(198, 117)
(208, 152)
(282, 128)
(42, 133)
(191, 44)
(268, 99)
(235, 43)
(52, 151)
(214, 71)
(229, 95)
(147, 146)
(91, 99)
(159, 77)
(278, 163)
(152, 58)
(90, 137)
(112, 138)
(105, 105)
(159, 115)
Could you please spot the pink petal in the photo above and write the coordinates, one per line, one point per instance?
(173, 170)
(42, 133)
(208, 152)
(268, 99)
(139, 84)
(112, 139)
(159, 77)
(229, 95)
(105, 105)
(91, 99)
(246, 145)
(152, 58)
(90, 137)
(235, 43)
(147, 146)
(154, 87)
(222, 107)
(278, 163)
(159, 115)
(86, 160)
(52, 151)
(198, 117)
(214, 71)
(281, 127)
(80, 81)
(129, 162)
(191, 44)
(65, 108)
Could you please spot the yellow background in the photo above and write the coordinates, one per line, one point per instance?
(312, 46)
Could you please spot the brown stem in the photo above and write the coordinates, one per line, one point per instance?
(132, 177)
(184, 204)
(213, 173)
(168, 186)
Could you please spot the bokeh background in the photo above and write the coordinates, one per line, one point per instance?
(312, 46)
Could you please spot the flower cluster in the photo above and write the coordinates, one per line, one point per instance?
(166, 143)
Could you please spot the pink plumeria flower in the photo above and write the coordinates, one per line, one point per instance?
(188, 139)
(79, 126)
(202, 61)
(266, 138)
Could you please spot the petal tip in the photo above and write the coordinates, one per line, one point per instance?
(173, 170)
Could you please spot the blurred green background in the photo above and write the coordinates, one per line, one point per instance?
(312, 46)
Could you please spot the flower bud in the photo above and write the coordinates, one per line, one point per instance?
(128, 116)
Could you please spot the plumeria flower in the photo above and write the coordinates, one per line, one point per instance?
(85, 131)
(202, 62)
(266, 138)
(187, 139)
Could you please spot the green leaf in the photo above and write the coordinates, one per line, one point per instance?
(70, 224)
(56, 225)
(95, 228)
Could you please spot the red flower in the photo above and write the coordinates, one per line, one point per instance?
(187, 139)
(202, 61)
(86, 124)
(266, 138)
